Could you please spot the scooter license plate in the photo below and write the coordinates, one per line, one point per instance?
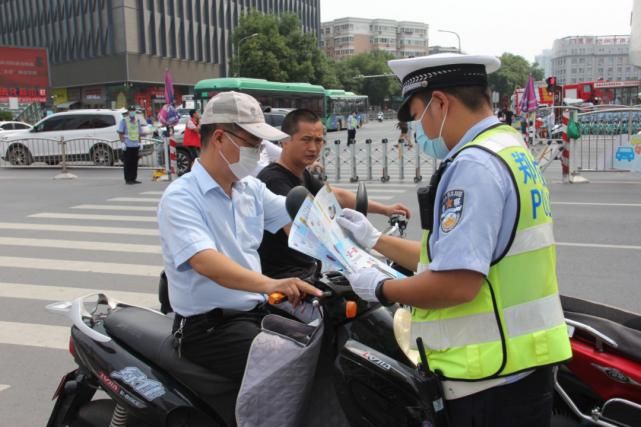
(61, 385)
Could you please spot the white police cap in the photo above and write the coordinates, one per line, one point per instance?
(440, 71)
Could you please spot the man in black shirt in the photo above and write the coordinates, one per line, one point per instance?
(299, 151)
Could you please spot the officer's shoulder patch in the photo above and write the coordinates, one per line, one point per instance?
(451, 209)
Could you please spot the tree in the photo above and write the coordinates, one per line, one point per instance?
(280, 52)
(350, 72)
(514, 72)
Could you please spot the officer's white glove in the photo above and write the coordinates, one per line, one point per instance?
(364, 282)
(362, 231)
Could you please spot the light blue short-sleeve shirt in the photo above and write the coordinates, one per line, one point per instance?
(122, 129)
(195, 214)
(477, 208)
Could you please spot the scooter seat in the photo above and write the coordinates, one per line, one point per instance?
(149, 335)
(622, 326)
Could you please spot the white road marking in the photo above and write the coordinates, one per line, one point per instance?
(3, 387)
(152, 193)
(81, 266)
(55, 215)
(78, 229)
(35, 335)
(599, 245)
(117, 208)
(62, 293)
(632, 205)
(134, 199)
(82, 245)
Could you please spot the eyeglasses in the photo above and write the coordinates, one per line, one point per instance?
(255, 145)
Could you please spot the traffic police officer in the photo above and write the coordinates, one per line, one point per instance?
(485, 298)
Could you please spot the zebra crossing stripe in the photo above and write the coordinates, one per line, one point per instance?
(117, 208)
(81, 266)
(3, 387)
(56, 215)
(81, 245)
(62, 293)
(78, 229)
(134, 199)
(152, 193)
(35, 335)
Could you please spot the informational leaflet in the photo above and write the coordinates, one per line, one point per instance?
(316, 233)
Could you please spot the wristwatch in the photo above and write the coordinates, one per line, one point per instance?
(378, 292)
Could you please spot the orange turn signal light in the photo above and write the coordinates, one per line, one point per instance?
(351, 309)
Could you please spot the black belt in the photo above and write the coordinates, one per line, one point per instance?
(218, 315)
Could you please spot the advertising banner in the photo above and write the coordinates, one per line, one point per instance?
(24, 73)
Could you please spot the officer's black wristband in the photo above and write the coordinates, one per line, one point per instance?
(378, 292)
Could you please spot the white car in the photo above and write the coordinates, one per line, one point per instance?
(90, 135)
(13, 126)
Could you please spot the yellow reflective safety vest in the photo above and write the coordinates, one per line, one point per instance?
(515, 323)
(133, 131)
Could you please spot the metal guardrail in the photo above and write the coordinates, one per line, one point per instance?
(42, 152)
(603, 131)
(370, 160)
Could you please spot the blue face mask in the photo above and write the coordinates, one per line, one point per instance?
(432, 147)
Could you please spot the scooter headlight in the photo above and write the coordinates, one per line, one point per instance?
(403, 333)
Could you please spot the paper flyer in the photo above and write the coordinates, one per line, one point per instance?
(316, 233)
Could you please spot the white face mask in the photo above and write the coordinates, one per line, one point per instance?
(247, 160)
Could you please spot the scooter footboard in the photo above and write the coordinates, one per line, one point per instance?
(376, 390)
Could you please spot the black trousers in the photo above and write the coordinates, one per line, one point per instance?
(130, 162)
(219, 340)
(525, 403)
(351, 135)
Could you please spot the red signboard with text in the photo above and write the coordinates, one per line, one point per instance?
(24, 73)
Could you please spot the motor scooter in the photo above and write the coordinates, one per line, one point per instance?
(129, 353)
(601, 385)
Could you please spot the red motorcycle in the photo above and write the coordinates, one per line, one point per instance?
(601, 385)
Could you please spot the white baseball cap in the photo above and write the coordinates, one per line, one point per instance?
(242, 110)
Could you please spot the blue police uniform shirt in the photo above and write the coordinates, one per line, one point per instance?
(477, 208)
(195, 214)
(122, 128)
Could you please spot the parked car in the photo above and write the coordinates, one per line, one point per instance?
(90, 135)
(11, 126)
(275, 116)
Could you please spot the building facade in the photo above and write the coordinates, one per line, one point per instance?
(590, 58)
(108, 53)
(544, 60)
(346, 37)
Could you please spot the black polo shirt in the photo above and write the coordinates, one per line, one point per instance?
(277, 259)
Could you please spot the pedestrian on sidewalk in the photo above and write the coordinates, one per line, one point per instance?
(129, 132)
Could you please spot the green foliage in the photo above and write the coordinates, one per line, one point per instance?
(350, 70)
(280, 52)
(514, 72)
(5, 115)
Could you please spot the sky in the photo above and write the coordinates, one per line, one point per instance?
(495, 26)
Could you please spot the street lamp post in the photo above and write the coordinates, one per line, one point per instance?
(457, 36)
(238, 49)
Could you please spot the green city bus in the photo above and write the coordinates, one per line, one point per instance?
(333, 105)
(269, 94)
(339, 104)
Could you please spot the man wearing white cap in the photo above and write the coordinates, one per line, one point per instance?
(485, 297)
(211, 223)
